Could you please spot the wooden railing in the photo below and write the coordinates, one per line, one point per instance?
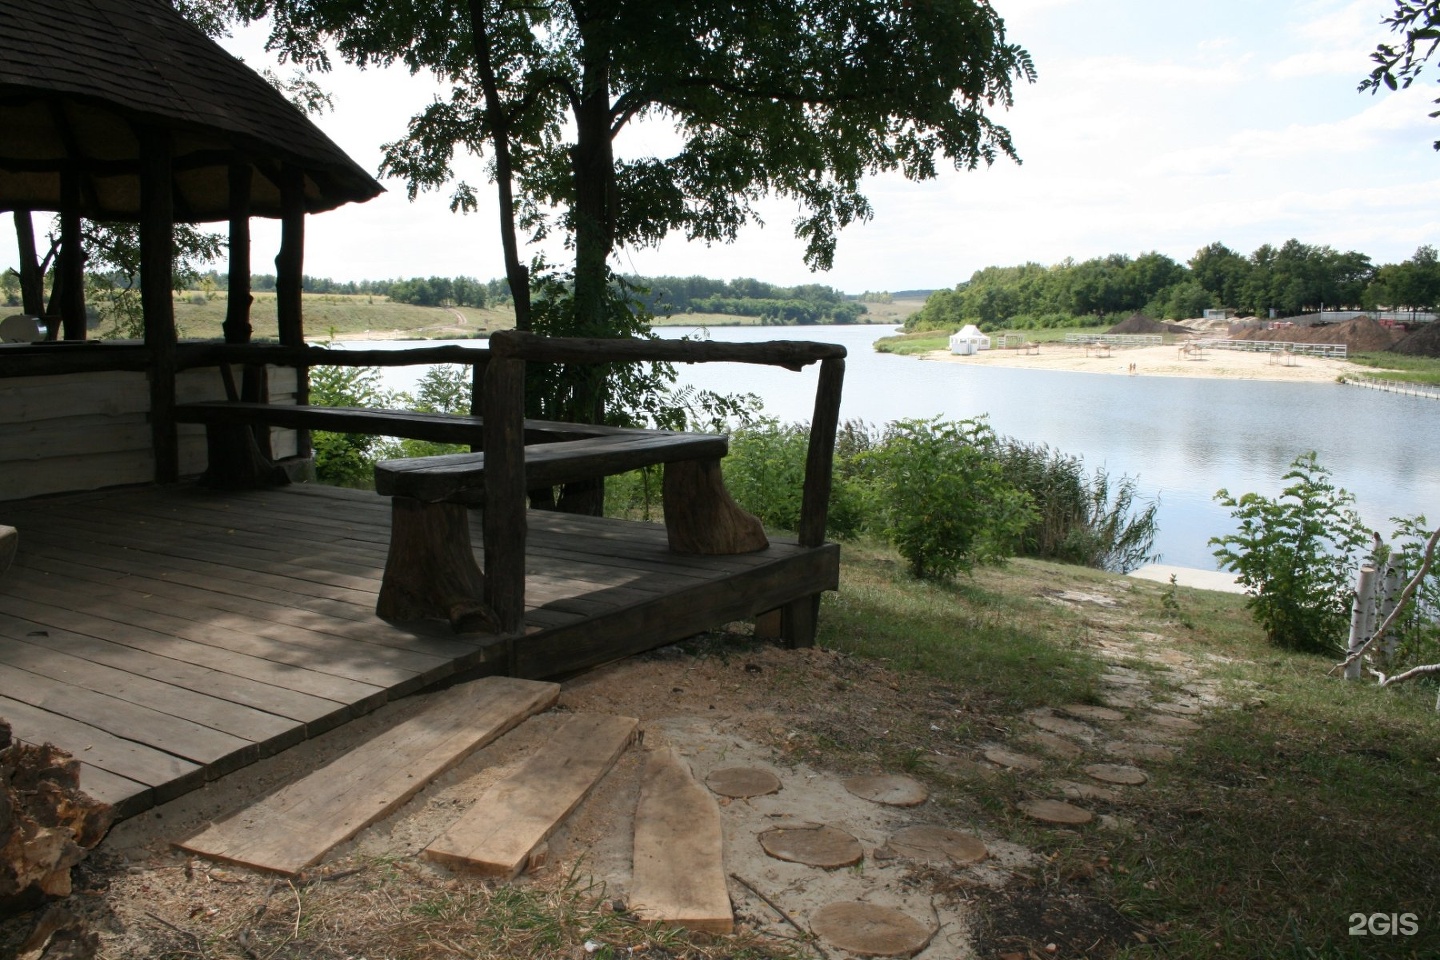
(504, 404)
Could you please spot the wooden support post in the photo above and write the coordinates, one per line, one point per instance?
(477, 394)
(289, 280)
(157, 256)
(9, 543)
(430, 572)
(71, 265)
(701, 516)
(504, 520)
(238, 299)
(820, 457)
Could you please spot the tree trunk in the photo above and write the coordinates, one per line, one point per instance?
(32, 280)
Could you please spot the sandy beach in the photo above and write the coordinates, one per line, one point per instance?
(1163, 361)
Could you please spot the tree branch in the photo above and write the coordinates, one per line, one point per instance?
(1405, 596)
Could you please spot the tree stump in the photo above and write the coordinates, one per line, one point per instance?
(701, 516)
(46, 822)
(430, 572)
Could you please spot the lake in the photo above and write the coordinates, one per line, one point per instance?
(1182, 438)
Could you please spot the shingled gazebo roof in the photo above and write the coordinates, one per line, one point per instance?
(78, 78)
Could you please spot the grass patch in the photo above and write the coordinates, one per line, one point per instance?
(1400, 367)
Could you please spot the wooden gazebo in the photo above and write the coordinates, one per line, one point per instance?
(167, 633)
(120, 110)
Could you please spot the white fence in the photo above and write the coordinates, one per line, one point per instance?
(1117, 339)
(1429, 390)
(1337, 351)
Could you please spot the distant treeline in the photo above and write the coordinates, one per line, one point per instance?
(1288, 280)
(803, 304)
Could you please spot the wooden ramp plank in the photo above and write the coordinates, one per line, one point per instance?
(496, 836)
(679, 849)
(297, 825)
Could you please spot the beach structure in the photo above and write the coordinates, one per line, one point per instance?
(969, 341)
(167, 632)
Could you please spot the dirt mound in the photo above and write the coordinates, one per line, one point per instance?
(1361, 335)
(1424, 342)
(1139, 323)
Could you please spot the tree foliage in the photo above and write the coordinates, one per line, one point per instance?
(791, 99)
(1398, 65)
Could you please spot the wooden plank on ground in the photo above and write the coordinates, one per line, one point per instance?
(496, 836)
(679, 849)
(294, 827)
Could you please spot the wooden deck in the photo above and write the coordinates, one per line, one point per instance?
(167, 636)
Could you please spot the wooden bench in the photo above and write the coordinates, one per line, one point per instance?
(431, 570)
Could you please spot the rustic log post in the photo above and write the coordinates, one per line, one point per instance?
(70, 267)
(157, 256)
(820, 456)
(504, 520)
(702, 517)
(289, 283)
(238, 299)
(477, 394)
(9, 543)
(430, 571)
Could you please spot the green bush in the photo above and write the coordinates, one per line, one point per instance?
(943, 498)
(1296, 556)
(1079, 518)
(348, 459)
(1417, 630)
(765, 473)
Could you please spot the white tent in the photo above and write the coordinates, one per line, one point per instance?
(969, 341)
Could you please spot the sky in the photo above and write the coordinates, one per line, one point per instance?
(1151, 126)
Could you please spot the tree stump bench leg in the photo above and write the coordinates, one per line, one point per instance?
(701, 516)
(430, 572)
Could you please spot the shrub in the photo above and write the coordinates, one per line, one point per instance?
(1079, 518)
(943, 496)
(1295, 556)
(347, 459)
(765, 473)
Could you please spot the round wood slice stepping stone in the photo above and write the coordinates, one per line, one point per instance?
(813, 845)
(1015, 761)
(1057, 812)
(1186, 709)
(1053, 745)
(1173, 723)
(870, 930)
(1123, 679)
(1084, 711)
(934, 843)
(742, 782)
(1053, 724)
(1139, 751)
(888, 788)
(1086, 791)
(1117, 773)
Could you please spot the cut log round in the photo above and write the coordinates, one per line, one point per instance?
(870, 930)
(814, 845)
(742, 782)
(1085, 711)
(1120, 773)
(1014, 761)
(934, 843)
(1057, 812)
(890, 789)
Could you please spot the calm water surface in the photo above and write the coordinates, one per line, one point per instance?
(1182, 438)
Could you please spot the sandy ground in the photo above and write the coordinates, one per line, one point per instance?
(1190, 577)
(1163, 361)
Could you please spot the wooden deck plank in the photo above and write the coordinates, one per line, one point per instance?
(497, 835)
(337, 659)
(243, 722)
(217, 751)
(166, 775)
(679, 849)
(328, 686)
(295, 826)
(123, 794)
(303, 708)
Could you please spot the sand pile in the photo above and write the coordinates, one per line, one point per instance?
(1140, 323)
(1361, 335)
(1423, 342)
